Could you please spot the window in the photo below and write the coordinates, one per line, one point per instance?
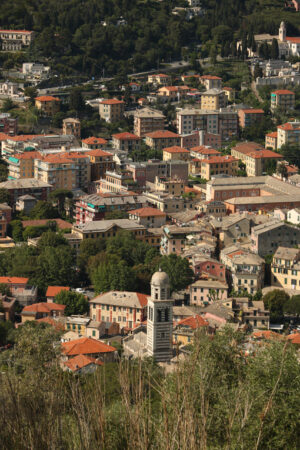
(119, 319)
(94, 333)
(114, 308)
(124, 319)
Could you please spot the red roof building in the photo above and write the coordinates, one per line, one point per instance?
(149, 217)
(88, 347)
(94, 143)
(175, 152)
(162, 139)
(82, 364)
(126, 141)
(41, 310)
(52, 291)
(248, 117)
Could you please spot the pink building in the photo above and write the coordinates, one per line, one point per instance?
(210, 267)
(190, 140)
(204, 292)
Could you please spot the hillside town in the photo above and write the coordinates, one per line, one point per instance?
(144, 213)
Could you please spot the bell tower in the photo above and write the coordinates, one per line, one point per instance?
(282, 32)
(160, 318)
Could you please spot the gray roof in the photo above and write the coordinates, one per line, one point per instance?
(287, 253)
(263, 199)
(27, 197)
(104, 225)
(213, 91)
(214, 284)
(120, 298)
(268, 226)
(97, 200)
(149, 112)
(24, 183)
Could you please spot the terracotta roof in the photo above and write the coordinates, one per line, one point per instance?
(126, 136)
(27, 155)
(194, 322)
(56, 159)
(52, 291)
(24, 137)
(226, 88)
(253, 111)
(74, 155)
(43, 307)
(80, 361)
(161, 75)
(62, 224)
(247, 147)
(13, 280)
(294, 338)
(283, 92)
(54, 323)
(288, 127)
(111, 101)
(295, 40)
(175, 149)
(47, 98)
(160, 134)
(143, 299)
(272, 135)
(266, 334)
(98, 152)
(85, 346)
(145, 212)
(292, 169)
(219, 159)
(16, 31)
(205, 151)
(210, 77)
(94, 140)
(264, 154)
(4, 136)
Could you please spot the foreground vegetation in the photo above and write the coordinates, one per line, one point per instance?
(217, 398)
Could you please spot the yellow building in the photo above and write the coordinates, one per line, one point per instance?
(285, 268)
(47, 105)
(109, 228)
(184, 331)
(176, 153)
(161, 139)
(112, 110)
(213, 99)
(56, 170)
(72, 126)
(255, 157)
(288, 133)
(77, 324)
(230, 93)
(169, 186)
(159, 78)
(219, 165)
(21, 165)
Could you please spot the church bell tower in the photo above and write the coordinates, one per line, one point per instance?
(160, 318)
(282, 32)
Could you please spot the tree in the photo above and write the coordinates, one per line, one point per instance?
(282, 170)
(258, 73)
(31, 92)
(59, 196)
(213, 55)
(76, 101)
(179, 271)
(7, 105)
(75, 303)
(274, 52)
(89, 248)
(118, 214)
(44, 210)
(274, 301)
(113, 274)
(5, 290)
(4, 196)
(51, 239)
(292, 306)
(15, 230)
(270, 166)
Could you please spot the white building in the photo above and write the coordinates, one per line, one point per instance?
(293, 216)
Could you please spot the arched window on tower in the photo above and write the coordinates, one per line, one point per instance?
(159, 315)
(167, 315)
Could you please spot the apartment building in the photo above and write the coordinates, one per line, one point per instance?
(8, 125)
(111, 110)
(283, 99)
(149, 217)
(100, 163)
(82, 168)
(213, 99)
(108, 228)
(230, 93)
(170, 169)
(255, 157)
(219, 165)
(47, 105)
(211, 82)
(72, 126)
(285, 268)
(173, 93)
(221, 124)
(266, 238)
(21, 165)
(248, 117)
(95, 206)
(288, 133)
(128, 309)
(57, 170)
(15, 40)
(126, 142)
(26, 186)
(204, 152)
(160, 78)
(147, 120)
(271, 140)
(176, 153)
(251, 312)
(205, 292)
(118, 182)
(167, 186)
(162, 138)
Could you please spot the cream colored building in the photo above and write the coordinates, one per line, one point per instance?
(285, 268)
(47, 105)
(288, 133)
(111, 110)
(56, 170)
(216, 165)
(176, 153)
(147, 120)
(213, 99)
(72, 126)
(160, 78)
(168, 186)
(255, 157)
(15, 40)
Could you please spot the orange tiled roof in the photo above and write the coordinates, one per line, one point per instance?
(266, 334)
(85, 346)
(295, 40)
(248, 147)
(205, 151)
(80, 361)
(52, 291)
(288, 127)
(126, 136)
(27, 155)
(283, 92)
(98, 152)
(62, 224)
(13, 280)
(16, 31)
(43, 307)
(47, 98)
(54, 323)
(161, 75)
(160, 134)
(272, 135)
(253, 111)
(219, 159)
(145, 212)
(194, 322)
(210, 77)
(56, 159)
(4, 136)
(264, 154)
(94, 140)
(111, 101)
(175, 149)
(227, 88)
(143, 299)
(24, 137)
(292, 169)
(294, 338)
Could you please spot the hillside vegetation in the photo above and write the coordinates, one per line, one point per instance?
(84, 35)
